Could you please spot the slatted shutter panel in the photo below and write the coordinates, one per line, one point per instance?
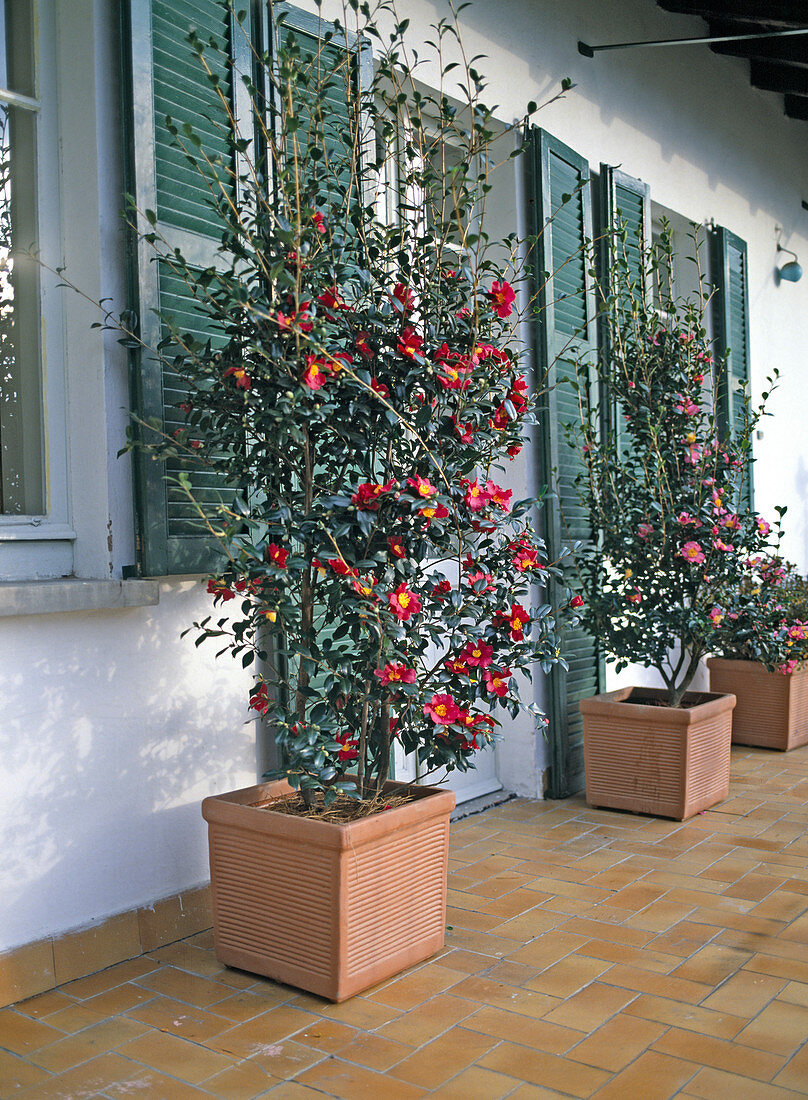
(625, 202)
(563, 206)
(731, 305)
(167, 80)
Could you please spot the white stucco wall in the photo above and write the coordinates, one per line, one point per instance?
(112, 727)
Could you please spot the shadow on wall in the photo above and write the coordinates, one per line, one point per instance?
(113, 730)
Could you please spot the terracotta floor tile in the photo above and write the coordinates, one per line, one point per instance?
(416, 986)
(44, 1004)
(548, 949)
(781, 1028)
(243, 1081)
(499, 885)
(468, 962)
(782, 905)
(661, 915)
(95, 1040)
(349, 1082)
(720, 1053)
(514, 998)
(128, 971)
(795, 993)
(328, 1036)
(777, 967)
(591, 1007)
(644, 957)
(475, 1082)
(119, 999)
(251, 1038)
(795, 1074)
(428, 1020)
(74, 1018)
(680, 1014)
(21, 1034)
(744, 994)
(186, 987)
(245, 1005)
(529, 925)
(434, 1064)
(357, 1012)
(176, 1018)
(662, 985)
(547, 1070)
(618, 1042)
(566, 977)
(712, 964)
(17, 1074)
(373, 1051)
(98, 1074)
(651, 1077)
(150, 1084)
(510, 973)
(593, 929)
(175, 1056)
(715, 1084)
(287, 1058)
(529, 1032)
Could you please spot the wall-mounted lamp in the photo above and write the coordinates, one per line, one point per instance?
(791, 272)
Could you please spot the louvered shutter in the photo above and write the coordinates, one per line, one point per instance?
(625, 204)
(566, 325)
(731, 318)
(167, 80)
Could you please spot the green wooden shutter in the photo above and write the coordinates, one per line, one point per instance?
(624, 202)
(563, 209)
(731, 320)
(167, 80)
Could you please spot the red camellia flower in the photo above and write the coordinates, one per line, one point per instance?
(514, 450)
(220, 591)
(517, 619)
(577, 601)
(316, 372)
(478, 654)
(410, 343)
(395, 673)
(502, 296)
(363, 347)
(379, 388)
(242, 379)
(349, 750)
(497, 682)
(480, 582)
(464, 431)
(341, 568)
(526, 559)
(367, 495)
(476, 496)
(332, 299)
(259, 698)
(365, 587)
(421, 486)
(319, 222)
(442, 709)
(402, 297)
(443, 588)
(277, 555)
(433, 511)
(397, 547)
(403, 603)
(456, 666)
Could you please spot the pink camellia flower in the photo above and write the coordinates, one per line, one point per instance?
(442, 709)
(685, 519)
(692, 552)
(394, 672)
(645, 530)
(476, 497)
(763, 527)
(403, 603)
(716, 615)
(634, 596)
(789, 666)
(499, 496)
(686, 406)
(693, 455)
(719, 544)
(502, 296)
(478, 654)
(497, 682)
(421, 486)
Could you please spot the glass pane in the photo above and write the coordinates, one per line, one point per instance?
(16, 47)
(21, 481)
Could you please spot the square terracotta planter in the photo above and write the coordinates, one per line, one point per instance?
(772, 708)
(328, 908)
(654, 759)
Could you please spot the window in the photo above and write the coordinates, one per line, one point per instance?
(21, 442)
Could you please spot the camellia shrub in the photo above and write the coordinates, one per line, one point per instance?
(765, 619)
(360, 395)
(662, 483)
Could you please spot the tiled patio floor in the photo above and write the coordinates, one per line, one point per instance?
(589, 954)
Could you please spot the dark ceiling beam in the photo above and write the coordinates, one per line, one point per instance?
(797, 106)
(774, 12)
(774, 76)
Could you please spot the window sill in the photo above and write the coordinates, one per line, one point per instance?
(74, 594)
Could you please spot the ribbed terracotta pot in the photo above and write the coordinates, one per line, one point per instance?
(660, 760)
(328, 908)
(772, 707)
